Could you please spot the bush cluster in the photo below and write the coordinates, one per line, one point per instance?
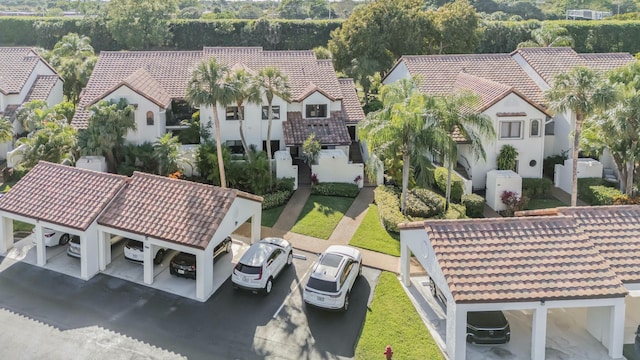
(388, 201)
(474, 205)
(585, 193)
(457, 185)
(335, 189)
(604, 195)
(275, 199)
(456, 211)
(424, 203)
(536, 188)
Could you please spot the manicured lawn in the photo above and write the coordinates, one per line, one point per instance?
(544, 204)
(269, 217)
(371, 235)
(320, 215)
(20, 226)
(392, 320)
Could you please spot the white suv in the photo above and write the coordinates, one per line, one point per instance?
(332, 278)
(263, 262)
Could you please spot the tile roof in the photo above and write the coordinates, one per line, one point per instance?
(178, 211)
(520, 259)
(489, 92)
(47, 194)
(439, 72)
(330, 131)
(172, 70)
(144, 84)
(350, 101)
(42, 87)
(16, 65)
(615, 232)
(10, 111)
(551, 61)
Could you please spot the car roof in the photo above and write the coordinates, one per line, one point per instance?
(257, 254)
(344, 250)
(329, 266)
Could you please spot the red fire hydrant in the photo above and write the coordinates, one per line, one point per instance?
(388, 352)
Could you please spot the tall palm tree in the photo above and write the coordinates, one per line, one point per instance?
(452, 114)
(207, 87)
(272, 82)
(243, 90)
(401, 127)
(581, 91)
(548, 35)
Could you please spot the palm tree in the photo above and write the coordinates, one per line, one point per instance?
(452, 114)
(401, 127)
(207, 87)
(6, 129)
(243, 90)
(548, 35)
(271, 83)
(582, 91)
(73, 58)
(167, 152)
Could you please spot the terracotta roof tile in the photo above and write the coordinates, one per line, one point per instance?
(520, 259)
(551, 61)
(42, 87)
(350, 101)
(46, 194)
(179, 211)
(144, 84)
(615, 232)
(330, 131)
(16, 65)
(10, 111)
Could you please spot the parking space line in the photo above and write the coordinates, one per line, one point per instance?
(292, 290)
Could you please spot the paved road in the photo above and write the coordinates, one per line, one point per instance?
(156, 325)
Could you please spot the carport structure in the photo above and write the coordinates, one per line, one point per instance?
(531, 263)
(179, 215)
(63, 199)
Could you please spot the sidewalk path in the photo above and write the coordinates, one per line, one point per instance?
(292, 210)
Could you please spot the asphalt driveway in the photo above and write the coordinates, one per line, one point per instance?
(231, 325)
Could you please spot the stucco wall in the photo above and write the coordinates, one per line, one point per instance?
(587, 168)
(333, 166)
(143, 132)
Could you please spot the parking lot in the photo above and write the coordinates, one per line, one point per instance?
(230, 325)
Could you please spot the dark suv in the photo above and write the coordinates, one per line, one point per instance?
(487, 327)
(184, 264)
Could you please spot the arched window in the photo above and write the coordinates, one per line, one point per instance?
(535, 127)
(149, 117)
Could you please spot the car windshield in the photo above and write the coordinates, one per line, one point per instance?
(246, 269)
(321, 285)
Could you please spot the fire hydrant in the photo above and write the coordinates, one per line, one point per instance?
(388, 352)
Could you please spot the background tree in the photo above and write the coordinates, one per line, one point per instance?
(582, 92)
(548, 35)
(207, 88)
(140, 24)
(105, 134)
(73, 58)
(167, 152)
(456, 26)
(243, 89)
(293, 9)
(55, 141)
(272, 83)
(6, 129)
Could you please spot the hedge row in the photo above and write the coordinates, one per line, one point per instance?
(275, 199)
(596, 191)
(497, 36)
(457, 186)
(424, 203)
(474, 205)
(536, 188)
(388, 201)
(335, 189)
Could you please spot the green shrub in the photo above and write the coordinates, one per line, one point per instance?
(456, 211)
(604, 195)
(457, 185)
(474, 205)
(549, 165)
(536, 188)
(386, 197)
(285, 184)
(424, 203)
(584, 189)
(275, 199)
(335, 189)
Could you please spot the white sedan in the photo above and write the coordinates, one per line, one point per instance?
(53, 238)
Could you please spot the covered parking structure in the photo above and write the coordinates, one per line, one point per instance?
(63, 199)
(532, 264)
(179, 215)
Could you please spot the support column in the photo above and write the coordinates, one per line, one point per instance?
(405, 263)
(90, 264)
(256, 227)
(616, 329)
(104, 250)
(148, 251)
(41, 248)
(538, 333)
(6, 233)
(456, 331)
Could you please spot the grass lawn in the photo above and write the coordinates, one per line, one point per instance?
(20, 226)
(371, 235)
(392, 320)
(544, 204)
(320, 215)
(270, 216)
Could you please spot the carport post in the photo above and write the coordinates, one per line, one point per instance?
(256, 220)
(539, 333)
(456, 331)
(104, 250)
(405, 258)
(41, 250)
(616, 329)
(148, 263)
(204, 275)
(6, 231)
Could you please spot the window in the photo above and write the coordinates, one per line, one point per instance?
(235, 146)
(510, 129)
(274, 109)
(232, 112)
(316, 111)
(345, 273)
(150, 118)
(535, 127)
